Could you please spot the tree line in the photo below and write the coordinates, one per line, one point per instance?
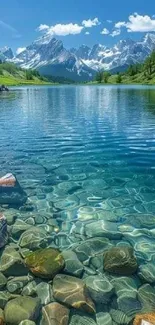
(147, 68)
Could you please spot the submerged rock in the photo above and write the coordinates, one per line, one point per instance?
(82, 319)
(103, 228)
(146, 295)
(73, 266)
(44, 292)
(147, 272)
(103, 318)
(22, 308)
(27, 322)
(11, 192)
(16, 284)
(3, 281)
(120, 260)
(119, 317)
(92, 247)
(99, 288)
(45, 263)
(33, 238)
(72, 292)
(19, 227)
(3, 230)
(55, 314)
(11, 263)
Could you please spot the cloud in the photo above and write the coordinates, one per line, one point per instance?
(90, 23)
(20, 50)
(115, 32)
(61, 29)
(105, 31)
(11, 29)
(138, 23)
(42, 27)
(109, 21)
(87, 33)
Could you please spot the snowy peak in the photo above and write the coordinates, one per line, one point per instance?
(6, 53)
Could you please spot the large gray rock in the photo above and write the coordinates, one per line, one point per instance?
(92, 247)
(55, 314)
(103, 228)
(99, 288)
(19, 227)
(72, 292)
(72, 264)
(33, 239)
(11, 263)
(44, 292)
(22, 308)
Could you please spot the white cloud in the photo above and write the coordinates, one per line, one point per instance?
(109, 21)
(115, 32)
(87, 33)
(20, 50)
(42, 27)
(90, 23)
(105, 31)
(138, 23)
(61, 29)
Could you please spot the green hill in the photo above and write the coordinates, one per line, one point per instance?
(11, 75)
(135, 74)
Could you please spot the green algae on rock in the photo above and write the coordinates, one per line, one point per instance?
(55, 314)
(11, 263)
(45, 263)
(22, 308)
(120, 260)
(72, 292)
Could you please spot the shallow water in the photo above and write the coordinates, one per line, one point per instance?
(84, 153)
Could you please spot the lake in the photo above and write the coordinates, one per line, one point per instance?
(85, 157)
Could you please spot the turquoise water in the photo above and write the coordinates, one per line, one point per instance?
(84, 154)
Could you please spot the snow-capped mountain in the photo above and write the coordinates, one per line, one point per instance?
(49, 56)
(6, 53)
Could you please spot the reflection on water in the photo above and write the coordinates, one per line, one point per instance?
(85, 155)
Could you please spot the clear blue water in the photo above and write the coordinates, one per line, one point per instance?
(85, 153)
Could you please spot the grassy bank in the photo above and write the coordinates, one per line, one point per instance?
(11, 75)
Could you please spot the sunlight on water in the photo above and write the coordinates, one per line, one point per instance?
(85, 158)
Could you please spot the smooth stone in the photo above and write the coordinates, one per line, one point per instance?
(125, 286)
(45, 263)
(103, 319)
(2, 320)
(72, 292)
(33, 238)
(130, 306)
(119, 317)
(11, 216)
(73, 266)
(3, 281)
(146, 295)
(11, 263)
(103, 228)
(27, 322)
(22, 308)
(29, 289)
(3, 230)
(30, 221)
(147, 272)
(55, 314)
(99, 288)
(16, 284)
(44, 292)
(19, 227)
(5, 296)
(96, 262)
(92, 247)
(81, 319)
(120, 260)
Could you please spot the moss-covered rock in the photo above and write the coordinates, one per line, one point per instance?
(45, 263)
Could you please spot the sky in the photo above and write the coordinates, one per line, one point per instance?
(75, 22)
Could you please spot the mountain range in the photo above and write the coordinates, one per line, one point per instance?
(49, 56)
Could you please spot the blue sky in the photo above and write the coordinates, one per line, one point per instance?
(76, 22)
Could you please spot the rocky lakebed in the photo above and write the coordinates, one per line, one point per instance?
(92, 268)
